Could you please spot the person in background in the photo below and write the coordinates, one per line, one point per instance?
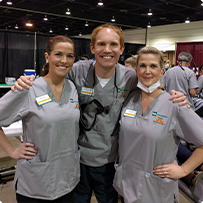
(198, 99)
(167, 65)
(48, 161)
(200, 82)
(102, 84)
(181, 78)
(131, 62)
(84, 57)
(146, 170)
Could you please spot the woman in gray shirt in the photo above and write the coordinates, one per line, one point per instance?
(48, 161)
(150, 130)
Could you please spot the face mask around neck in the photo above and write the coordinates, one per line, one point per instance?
(148, 89)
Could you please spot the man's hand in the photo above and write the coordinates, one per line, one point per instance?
(23, 82)
(179, 97)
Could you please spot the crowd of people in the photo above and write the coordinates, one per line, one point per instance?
(85, 126)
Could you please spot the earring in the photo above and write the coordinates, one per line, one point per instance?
(47, 61)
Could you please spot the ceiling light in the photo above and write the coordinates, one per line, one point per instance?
(100, 3)
(50, 30)
(45, 18)
(86, 24)
(9, 2)
(68, 11)
(150, 12)
(113, 19)
(66, 28)
(0, 0)
(202, 4)
(187, 21)
(149, 25)
(16, 27)
(29, 24)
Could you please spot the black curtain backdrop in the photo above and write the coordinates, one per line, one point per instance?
(3, 57)
(41, 41)
(17, 52)
(130, 50)
(82, 46)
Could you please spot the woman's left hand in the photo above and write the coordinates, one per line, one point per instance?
(172, 170)
(179, 97)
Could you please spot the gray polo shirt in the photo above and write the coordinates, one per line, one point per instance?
(152, 139)
(200, 83)
(53, 127)
(180, 79)
(99, 146)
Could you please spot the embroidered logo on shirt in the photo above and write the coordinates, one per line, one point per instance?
(154, 113)
(160, 119)
(121, 93)
(76, 103)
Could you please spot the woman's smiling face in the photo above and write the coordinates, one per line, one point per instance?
(61, 58)
(148, 69)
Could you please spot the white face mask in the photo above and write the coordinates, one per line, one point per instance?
(148, 89)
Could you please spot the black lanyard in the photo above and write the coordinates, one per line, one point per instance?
(99, 107)
(94, 81)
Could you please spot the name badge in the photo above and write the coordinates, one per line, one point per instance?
(43, 99)
(87, 91)
(130, 113)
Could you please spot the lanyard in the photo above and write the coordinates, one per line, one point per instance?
(94, 75)
(84, 124)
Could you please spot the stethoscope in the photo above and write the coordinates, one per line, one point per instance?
(94, 81)
(100, 108)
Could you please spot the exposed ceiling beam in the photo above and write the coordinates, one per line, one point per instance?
(65, 16)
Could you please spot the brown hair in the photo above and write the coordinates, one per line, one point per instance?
(151, 50)
(111, 26)
(50, 46)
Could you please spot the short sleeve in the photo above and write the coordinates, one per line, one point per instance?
(193, 81)
(190, 126)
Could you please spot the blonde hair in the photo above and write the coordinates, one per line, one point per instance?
(151, 50)
(132, 61)
(168, 62)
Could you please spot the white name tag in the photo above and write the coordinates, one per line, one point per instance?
(87, 91)
(130, 113)
(43, 99)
